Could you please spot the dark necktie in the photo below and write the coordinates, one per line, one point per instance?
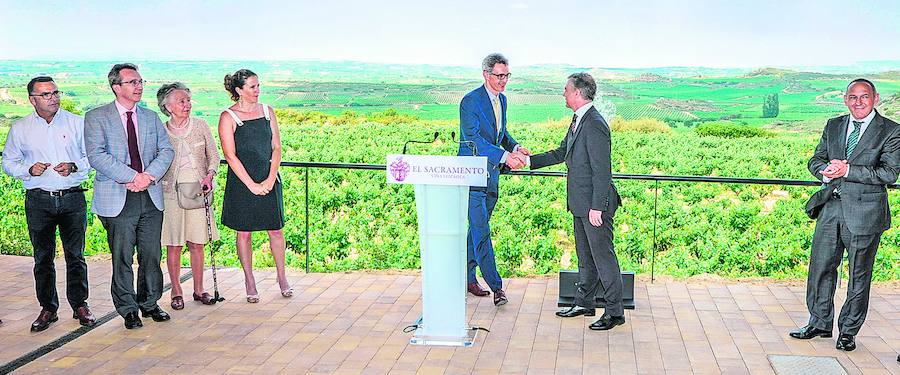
(853, 140)
(574, 121)
(133, 152)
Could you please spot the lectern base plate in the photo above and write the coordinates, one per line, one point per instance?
(464, 341)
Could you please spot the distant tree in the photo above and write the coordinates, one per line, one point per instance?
(770, 106)
(71, 106)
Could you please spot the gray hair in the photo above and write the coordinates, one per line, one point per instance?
(584, 83)
(493, 59)
(162, 95)
(115, 76)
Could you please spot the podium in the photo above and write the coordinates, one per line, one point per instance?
(442, 202)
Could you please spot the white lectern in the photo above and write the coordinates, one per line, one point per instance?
(442, 202)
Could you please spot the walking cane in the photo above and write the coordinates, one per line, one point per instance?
(212, 248)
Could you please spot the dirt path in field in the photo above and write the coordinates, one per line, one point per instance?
(4, 95)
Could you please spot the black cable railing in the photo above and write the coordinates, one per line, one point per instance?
(656, 179)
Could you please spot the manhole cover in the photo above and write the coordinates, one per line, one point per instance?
(806, 365)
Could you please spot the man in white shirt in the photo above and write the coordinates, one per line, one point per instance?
(46, 151)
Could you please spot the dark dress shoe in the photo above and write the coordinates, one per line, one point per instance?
(500, 298)
(132, 321)
(575, 311)
(157, 314)
(84, 316)
(43, 320)
(607, 322)
(476, 289)
(809, 332)
(846, 342)
(204, 298)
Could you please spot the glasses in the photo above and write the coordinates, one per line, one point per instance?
(48, 95)
(499, 76)
(134, 82)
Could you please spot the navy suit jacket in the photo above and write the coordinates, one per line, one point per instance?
(478, 125)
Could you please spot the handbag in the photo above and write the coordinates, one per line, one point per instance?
(817, 201)
(190, 195)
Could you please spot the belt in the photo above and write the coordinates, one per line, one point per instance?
(58, 193)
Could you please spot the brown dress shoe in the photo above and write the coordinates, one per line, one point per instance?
(84, 316)
(476, 289)
(204, 298)
(500, 298)
(43, 320)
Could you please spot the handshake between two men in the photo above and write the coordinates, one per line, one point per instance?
(518, 159)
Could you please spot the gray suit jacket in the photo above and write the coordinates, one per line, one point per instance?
(106, 144)
(587, 156)
(875, 163)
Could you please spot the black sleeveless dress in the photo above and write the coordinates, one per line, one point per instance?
(241, 209)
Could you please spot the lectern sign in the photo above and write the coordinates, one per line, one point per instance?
(437, 170)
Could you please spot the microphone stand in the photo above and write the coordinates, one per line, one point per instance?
(422, 142)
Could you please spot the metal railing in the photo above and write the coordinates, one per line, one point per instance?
(656, 179)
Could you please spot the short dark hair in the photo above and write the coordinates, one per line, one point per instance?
(36, 80)
(114, 75)
(585, 84)
(863, 80)
(233, 81)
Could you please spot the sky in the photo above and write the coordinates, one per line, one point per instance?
(599, 33)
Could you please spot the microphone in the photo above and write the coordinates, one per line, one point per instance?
(424, 142)
(467, 143)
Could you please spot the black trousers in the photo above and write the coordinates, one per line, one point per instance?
(139, 226)
(44, 214)
(598, 266)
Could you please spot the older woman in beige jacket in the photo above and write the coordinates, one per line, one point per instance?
(196, 160)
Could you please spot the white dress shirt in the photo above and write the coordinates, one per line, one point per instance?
(32, 140)
(580, 114)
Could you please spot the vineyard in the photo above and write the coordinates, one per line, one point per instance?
(357, 221)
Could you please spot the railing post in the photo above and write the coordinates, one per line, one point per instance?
(653, 259)
(306, 206)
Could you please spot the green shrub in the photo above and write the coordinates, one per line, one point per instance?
(641, 125)
(730, 130)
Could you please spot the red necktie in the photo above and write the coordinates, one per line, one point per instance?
(132, 145)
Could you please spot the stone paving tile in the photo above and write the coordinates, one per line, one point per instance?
(351, 323)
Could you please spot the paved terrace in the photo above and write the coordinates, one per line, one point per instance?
(352, 323)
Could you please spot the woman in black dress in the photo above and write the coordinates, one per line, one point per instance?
(253, 199)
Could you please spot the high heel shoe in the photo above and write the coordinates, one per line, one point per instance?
(252, 298)
(287, 293)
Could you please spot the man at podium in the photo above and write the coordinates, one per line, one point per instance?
(482, 125)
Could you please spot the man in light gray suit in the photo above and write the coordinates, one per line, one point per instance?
(859, 154)
(130, 146)
(592, 199)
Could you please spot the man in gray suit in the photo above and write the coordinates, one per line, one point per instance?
(130, 150)
(592, 198)
(859, 154)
